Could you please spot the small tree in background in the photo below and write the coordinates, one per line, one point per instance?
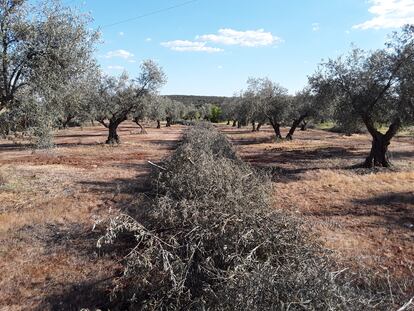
(173, 110)
(273, 102)
(156, 110)
(215, 113)
(122, 97)
(304, 106)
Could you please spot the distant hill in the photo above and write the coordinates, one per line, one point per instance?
(198, 100)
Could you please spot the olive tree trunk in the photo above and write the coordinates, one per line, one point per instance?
(113, 137)
(303, 126)
(276, 128)
(143, 130)
(253, 126)
(294, 126)
(378, 156)
(168, 119)
(158, 124)
(67, 120)
(234, 123)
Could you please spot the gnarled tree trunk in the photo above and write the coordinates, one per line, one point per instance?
(158, 124)
(253, 126)
(143, 131)
(295, 124)
(113, 137)
(303, 126)
(276, 128)
(228, 122)
(168, 119)
(259, 125)
(234, 123)
(67, 121)
(378, 156)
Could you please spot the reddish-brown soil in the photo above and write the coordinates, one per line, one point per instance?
(50, 201)
(365, 217)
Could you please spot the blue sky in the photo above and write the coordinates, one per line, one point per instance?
(211, 47)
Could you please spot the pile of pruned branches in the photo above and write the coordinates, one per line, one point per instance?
(212, 240)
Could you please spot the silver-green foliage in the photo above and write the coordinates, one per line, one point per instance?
(46, 51)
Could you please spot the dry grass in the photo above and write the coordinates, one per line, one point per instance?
(50, 201)
(366, 217)
(211, 241)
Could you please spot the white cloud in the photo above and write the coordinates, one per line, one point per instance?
(224, 36)
(315, 27)
(389, 14)
(190, 46)
(248, 38)
(119, 53)
(121, 33)
(219, 67)
(115, 67)
(148, 39)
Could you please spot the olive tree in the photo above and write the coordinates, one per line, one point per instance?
(122, 97)
(256, 106)
(156, 110)
(374, 88)
(306, 105)
(75, 99)
(173, 110)
(192, 113)
(273, 102)
(142, 112)
(227, 110)
(43, 47)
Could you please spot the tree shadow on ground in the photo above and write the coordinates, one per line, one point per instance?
(15, 147)
(165, 144)
(130, 196)
(91, 295)
(86, 134)
(94, 293)
(402, 154)
(252, 141)
(395, 209)
(287, 165)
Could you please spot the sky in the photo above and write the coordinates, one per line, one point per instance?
(211, 47)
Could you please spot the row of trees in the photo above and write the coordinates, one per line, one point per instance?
(123, 98)
(374, 89)
(265, 101)
(49, 77)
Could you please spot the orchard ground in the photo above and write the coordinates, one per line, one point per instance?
(50, 201)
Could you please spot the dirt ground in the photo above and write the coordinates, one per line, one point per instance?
(365, 217)
(50, 201)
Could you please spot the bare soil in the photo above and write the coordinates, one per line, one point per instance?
(49, 204)
(51, 200)
(366, 217)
